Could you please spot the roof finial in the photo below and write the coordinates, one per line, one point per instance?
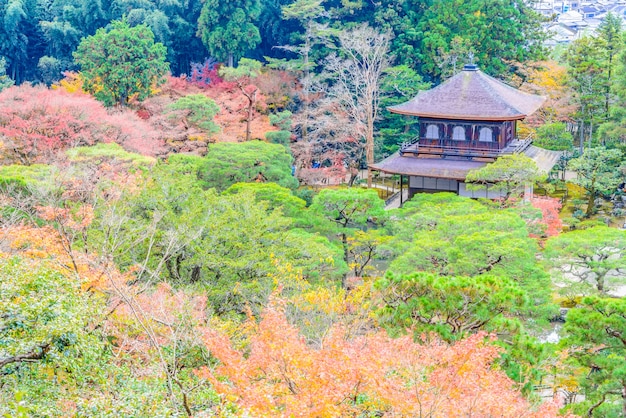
(470, 66)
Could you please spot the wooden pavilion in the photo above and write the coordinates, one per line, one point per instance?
(464, 123)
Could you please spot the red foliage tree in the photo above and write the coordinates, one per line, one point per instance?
(550, 208)
(280, 375)
(36, 123)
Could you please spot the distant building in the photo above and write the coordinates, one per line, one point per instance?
(464, 124)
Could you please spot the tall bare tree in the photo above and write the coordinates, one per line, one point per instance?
(355, 73)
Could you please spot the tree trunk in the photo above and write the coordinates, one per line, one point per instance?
(600, 287)
(591, 203)
(231, 60)
(249, 118)
(369, 144)
(581, 137)
(344, 242)
(624, 401)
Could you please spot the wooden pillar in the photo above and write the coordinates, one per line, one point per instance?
(401, 190)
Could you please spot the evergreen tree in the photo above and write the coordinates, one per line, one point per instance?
(227, 28)
(121, 63)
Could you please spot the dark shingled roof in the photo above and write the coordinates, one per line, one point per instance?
(450, 168)
(427, 167)
(471, 95)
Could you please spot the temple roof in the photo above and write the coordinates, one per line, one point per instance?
(455, 169)
(471, 95)
(427, 167)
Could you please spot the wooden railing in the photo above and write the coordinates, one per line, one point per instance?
(450, 147)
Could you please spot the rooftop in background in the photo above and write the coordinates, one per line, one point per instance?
(471, 95)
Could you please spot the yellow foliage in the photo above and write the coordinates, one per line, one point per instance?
(71, 83)
(524, 131)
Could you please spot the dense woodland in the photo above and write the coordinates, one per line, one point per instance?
(185, 228)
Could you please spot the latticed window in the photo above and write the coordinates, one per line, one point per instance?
(458, 133)
(486, 135)
(432, 132)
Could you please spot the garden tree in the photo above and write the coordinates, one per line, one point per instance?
(587, 77)
(332, 145)
(173, 228)
(509, 174)
(48, 121)
(364, 247)
(371, 374)
(306, 13)
(450, 306)
(20, 38)
(615, 127)
(350, 209)
(121, 63)
(199, 111)
(399, 84)
(49, 70)
(243, 75)
(227, 29)
(610, 37)
(228, 163)
(548, 78)
(5, 81)
(45, 316)
(276, 197)
(592, 257)
(449, 235)
(452, 60)
(69, 289)
(500, 31)
(598, 172)
(164, 325)
(554, 136)
(596, 331)
(355, 80)
(282, 120)
(550, 208)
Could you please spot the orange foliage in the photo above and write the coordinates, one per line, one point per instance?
(547, 78)
(280, 375)
(47, 245)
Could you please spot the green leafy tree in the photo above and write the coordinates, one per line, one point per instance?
(596, 331)
(200, 111)
(451, 306)
(399, 84)
(5, 81)
(349, 209)
(44, 315)
(227, 29)
(228, 163)
(598, 171)
(121, 63)
(282, 120)
(610, 35)
(587, 76)
(554, 136)
(276, 197)
(592, 257)
(449, 235)
(500, 31)
(228, 245)
(509, 174)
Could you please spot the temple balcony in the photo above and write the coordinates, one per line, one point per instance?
(467, 149)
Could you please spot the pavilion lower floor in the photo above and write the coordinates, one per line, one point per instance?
(428, 174)
(422, 184)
